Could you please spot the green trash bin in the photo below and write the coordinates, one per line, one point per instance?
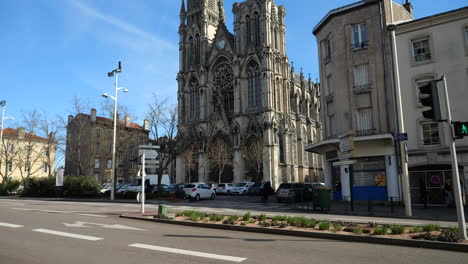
(321, 198)
(162, 210)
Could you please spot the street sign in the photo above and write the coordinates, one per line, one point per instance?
(461, 129)
(401, 137)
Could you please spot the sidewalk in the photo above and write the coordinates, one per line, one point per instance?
(240, 205)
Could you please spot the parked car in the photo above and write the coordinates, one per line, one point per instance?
(123, 189)
(257, 189)
(199, 190)
(241, 188)
(164, 189)
(224, 188)
(297, 192)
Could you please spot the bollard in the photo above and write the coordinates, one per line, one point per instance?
(392, 206)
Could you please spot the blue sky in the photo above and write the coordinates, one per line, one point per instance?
(53, 50)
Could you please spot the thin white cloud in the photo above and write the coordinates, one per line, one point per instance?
(123, 25)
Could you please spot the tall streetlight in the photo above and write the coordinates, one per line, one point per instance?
(401, 124)
(106, 95)
(3, 105)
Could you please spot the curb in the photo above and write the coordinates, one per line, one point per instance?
(284, 232)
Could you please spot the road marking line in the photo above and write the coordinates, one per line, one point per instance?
(10, 225)
(58, 233)
(188, 252)
(93, 215)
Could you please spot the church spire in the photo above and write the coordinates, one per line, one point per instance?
(222, 18)
(183, 14)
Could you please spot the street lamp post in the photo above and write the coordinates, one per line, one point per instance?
(106, 95)
(401, 124)
(3, 105)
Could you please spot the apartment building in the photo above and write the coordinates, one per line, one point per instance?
(357, 99)
(429, 48)
(26, 155)
(89, 147)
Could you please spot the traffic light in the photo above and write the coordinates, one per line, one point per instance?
(461, 129)
(429, 96)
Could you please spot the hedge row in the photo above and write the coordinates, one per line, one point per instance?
(72, 187)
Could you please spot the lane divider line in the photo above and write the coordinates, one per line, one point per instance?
(188, 252)
(93, 215)
(10, 225)
(65, 234)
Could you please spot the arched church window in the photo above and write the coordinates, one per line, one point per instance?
(248, 31)
(223, 82)
(195, 3)
(276, 39)
(194, 99)
(254, 90)
(257, 29)
(281, 148)
(197, 50)
(211, 4)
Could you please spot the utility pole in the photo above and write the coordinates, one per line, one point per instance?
(455, 174)
(143, 174)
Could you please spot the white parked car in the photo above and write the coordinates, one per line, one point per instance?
(225, 188)
(241, 188)
(199, 190)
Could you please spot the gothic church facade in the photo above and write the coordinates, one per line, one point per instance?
(242, 90)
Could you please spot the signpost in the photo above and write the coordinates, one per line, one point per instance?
(401, 137)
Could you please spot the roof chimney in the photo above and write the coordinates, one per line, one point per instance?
(127, 121)
(21, 132)
(146, 125)
(93, 115)
(409, 7)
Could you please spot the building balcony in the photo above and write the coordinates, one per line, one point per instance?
(362, 88)
(360, 45)
(365, 132)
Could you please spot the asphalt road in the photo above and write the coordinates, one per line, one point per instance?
(69, 232)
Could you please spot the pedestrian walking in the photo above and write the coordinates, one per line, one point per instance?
(266, 190)
(448, 189)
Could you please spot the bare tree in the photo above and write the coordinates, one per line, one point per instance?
(54, 130)
(189, 162)
(30, 156)
(8, 157)
(253, 153)
(220, 153)
(78, 133)
(107, 108)
(163, 120)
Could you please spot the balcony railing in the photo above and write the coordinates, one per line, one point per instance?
(362, 88)
(360, 45)
(365, 132)
(422, 57)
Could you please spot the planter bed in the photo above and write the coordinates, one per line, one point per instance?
(305, 227)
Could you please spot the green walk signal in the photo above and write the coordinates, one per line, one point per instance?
(461, 129)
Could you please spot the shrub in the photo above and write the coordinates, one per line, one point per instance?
(449, 235)
(279, 218)
(234, 217)
(453, 228)
(179, 214)
(80, 186)
(358, 231)
(252, 221)
(324, 225)
(265, 224)
(372, 224)
(397, 229)
(309, 223)
(337, 227)
(431, 227)
(425, 236)
(39, 187)
(417, 229)
(196, 216)
(9, 187)
(262, 217)
(380, 230)
(246, 216)
(216, 217)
